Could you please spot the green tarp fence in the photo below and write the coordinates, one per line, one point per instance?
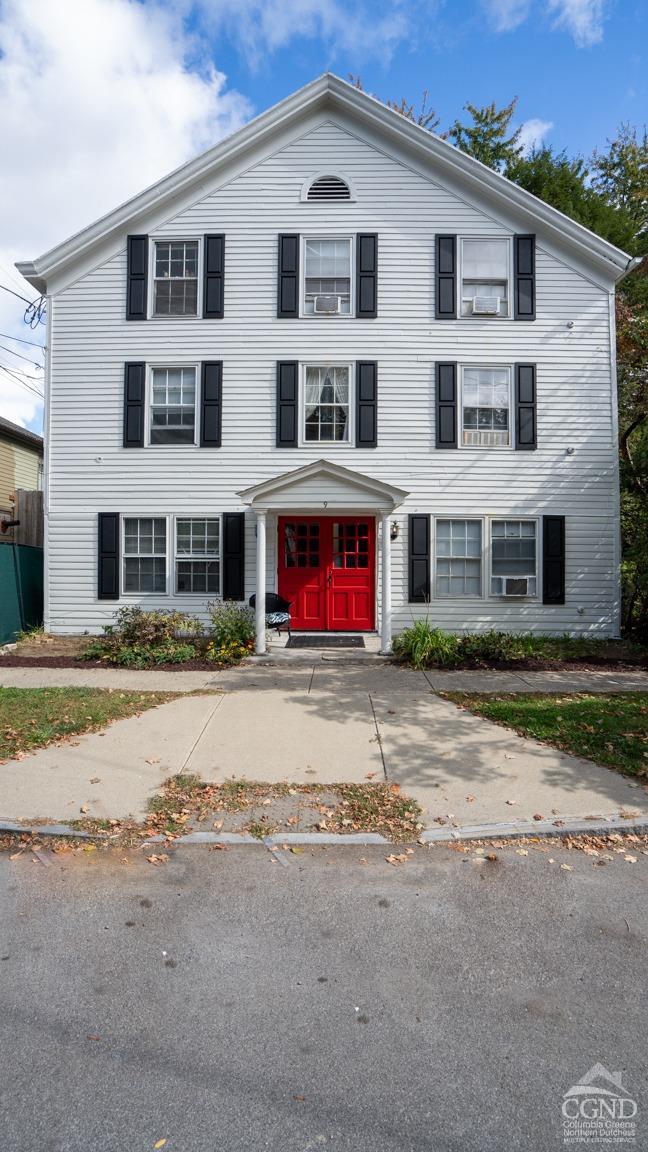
(21, 589)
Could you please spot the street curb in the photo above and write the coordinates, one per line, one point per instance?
(516, 828)
(512, 831)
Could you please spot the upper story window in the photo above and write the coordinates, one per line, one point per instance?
(486, 407)
(485, 277)
(328, 188)
(326, 408)
(173, 406)
(175, 278)
(327, 276)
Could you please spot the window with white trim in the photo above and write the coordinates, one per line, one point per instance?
(197, 555)
(172, 406)
(486, 407)
(175, 278)
(514, 559)
(327, 276)
(485, 277)
(326, 404)
(458, 558)
(145, 552)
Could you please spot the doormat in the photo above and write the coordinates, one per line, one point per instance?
(325, 642)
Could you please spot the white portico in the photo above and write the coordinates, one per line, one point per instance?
(333, 547)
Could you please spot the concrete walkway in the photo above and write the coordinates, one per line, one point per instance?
(322, 724)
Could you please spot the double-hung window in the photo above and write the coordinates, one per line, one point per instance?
(173, 406)
(197, 555)
(486, 407)
(145, 551)
(327, 276)
(458, 558)
(326, 404)
(514, 558)
(175, 278)
(485, 277)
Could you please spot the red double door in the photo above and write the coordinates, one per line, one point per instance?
(327, 571)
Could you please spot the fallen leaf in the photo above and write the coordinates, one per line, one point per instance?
(396, 859)
(93, 1037)
(566, 867)
(292, 820)
(296, 849)
(511, 802)
(630, 859)
(300, 1098)
(159, 1143)
(160, 859)
(217, 825)
(470, 799)
(84, 808)
(370, 775)
(153, 760)
(521, 851)
(95, 780)
(538, 816)
(491, 856)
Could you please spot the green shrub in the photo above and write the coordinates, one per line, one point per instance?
(231, 633)
(141, 639)
(422, 645)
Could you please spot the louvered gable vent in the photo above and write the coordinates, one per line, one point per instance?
(329, 188)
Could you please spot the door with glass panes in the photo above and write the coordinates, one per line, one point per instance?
(326, 569)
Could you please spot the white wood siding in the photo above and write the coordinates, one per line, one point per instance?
(91, 472)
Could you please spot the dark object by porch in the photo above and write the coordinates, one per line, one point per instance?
(277, 611)
(325, 641)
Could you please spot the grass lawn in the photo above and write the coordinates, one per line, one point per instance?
(609, 729)
(33, 717)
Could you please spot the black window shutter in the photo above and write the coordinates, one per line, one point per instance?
(419, 559)
(446, 405)
(553, 559)
(366, 404)
(524, 294)
(137, 277)
(287, 403)
(134, 392)
(233, 555)
(108, 567)
(288, 278)
(525, 407)
(366, 275)
(445, 297)
(214, 277)
(211, 403)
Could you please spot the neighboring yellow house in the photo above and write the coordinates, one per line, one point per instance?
(21, 462)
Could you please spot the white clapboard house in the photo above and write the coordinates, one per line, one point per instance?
(335, 358)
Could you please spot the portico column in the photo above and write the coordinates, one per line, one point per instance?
(386, 608)
(260, 610)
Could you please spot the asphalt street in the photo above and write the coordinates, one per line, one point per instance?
(226, 1001)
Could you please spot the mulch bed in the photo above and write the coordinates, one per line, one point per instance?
(11, 661)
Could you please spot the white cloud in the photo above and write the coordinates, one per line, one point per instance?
(99, 98)
(533, 132)
(583, 19)
(260, 27)
(505, 15)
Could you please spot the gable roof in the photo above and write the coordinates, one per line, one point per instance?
(329, 93)
(289, 482)
(11, 431)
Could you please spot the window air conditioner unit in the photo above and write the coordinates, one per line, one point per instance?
(485, 306)
(515, 586)
(325, 305)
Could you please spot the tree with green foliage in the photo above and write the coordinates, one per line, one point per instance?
(489, 136)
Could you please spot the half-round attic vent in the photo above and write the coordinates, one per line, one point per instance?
(329, 188)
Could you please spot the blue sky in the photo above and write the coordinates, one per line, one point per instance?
(580, 65)
(100, 98)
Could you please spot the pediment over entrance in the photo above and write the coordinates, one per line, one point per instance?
(323, 487)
